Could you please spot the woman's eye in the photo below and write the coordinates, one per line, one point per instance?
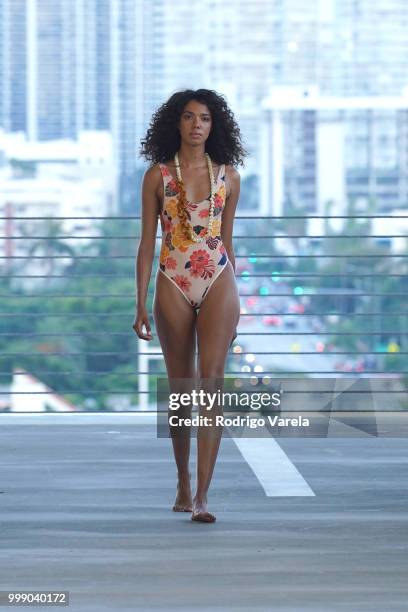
(191, 116)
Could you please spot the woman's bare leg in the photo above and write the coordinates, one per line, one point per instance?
(216, 323)
(175, 325)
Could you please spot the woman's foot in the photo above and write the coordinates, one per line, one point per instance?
(200, 512)
(183, 497)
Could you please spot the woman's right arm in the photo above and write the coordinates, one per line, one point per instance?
(146, 248)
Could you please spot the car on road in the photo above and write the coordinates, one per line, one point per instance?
(272, 320)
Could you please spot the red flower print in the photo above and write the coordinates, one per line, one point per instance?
(218, 201)
(222, 249)
(201, 264)
(218, 205)
(190, 207)
(165, 170)
(172, 188)
(171, 263)
(182, 282)
(167, 225)
(199, 259)
(203, 213)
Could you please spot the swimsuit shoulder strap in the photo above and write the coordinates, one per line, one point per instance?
(169, 183)
(165, 172)
(221, 173)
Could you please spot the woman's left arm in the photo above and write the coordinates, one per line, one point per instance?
(232, 186)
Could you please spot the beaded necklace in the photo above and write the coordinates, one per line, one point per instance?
(182, 202)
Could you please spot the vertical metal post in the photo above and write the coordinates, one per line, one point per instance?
(143, 371)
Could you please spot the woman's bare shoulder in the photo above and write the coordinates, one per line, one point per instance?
(152, 180)
(232, 173)
(232, 179)
(152, 176)
(152, 172)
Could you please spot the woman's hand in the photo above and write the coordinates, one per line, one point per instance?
(142, 319)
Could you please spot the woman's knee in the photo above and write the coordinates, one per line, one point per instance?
(183, 375)
(211, 369)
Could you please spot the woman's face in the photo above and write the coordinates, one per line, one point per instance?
(195, 123)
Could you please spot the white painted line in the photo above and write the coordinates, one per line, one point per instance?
(273, 468)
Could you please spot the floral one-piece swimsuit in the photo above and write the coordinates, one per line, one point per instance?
(192, 266)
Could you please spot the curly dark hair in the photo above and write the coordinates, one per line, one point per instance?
(163, 138)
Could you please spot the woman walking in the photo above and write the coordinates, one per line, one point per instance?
(193, 143)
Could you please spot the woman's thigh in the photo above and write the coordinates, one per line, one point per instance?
(175, 326)
(216, 323)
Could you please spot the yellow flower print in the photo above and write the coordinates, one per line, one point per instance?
(179, 240)
(171, 207)
(164, 253)
(221, 191)
(216, 228)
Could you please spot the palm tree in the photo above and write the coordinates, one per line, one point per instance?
(51, 243)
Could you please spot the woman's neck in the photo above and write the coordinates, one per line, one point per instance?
(191, 157)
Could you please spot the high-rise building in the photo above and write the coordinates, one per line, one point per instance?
(68, 66)
(13, 65)
(318, 149)
(52, 69)
(372, 35)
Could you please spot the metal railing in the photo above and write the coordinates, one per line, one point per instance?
(311, 298)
